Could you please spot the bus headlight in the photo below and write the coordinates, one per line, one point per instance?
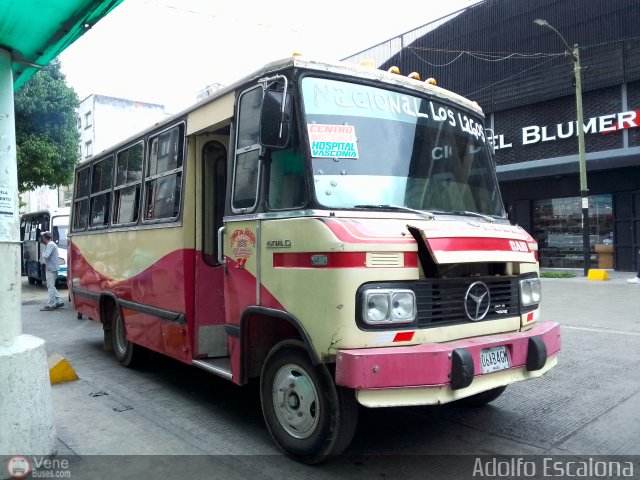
(380, 306)
(530, 292)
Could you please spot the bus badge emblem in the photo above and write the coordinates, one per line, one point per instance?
(243, 245)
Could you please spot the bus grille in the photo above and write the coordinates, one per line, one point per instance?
(440, 302)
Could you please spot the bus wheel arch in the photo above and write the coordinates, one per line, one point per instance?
(115, 333)
(260, 330)
(307, 414)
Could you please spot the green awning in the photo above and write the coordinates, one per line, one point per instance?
(37, 31)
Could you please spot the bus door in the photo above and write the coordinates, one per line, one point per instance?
(210, 337)
(34, 226)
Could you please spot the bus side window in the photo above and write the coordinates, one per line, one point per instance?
(81, 200)
(126, 203)
(163, 184)
(101, 182)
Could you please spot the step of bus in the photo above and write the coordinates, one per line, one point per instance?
(217, 366)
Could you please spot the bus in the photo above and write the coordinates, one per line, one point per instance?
(31, 226)
(332, 231)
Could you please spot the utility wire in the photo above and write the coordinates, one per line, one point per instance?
(484, 56)
(510, 77)
(219, 17)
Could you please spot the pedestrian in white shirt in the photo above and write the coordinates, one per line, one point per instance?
(50, 259)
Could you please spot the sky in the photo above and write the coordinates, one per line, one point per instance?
(166, 51)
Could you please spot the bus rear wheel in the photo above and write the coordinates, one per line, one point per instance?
(127, 353)
(308, 416)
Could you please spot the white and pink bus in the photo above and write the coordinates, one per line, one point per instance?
(333, 230)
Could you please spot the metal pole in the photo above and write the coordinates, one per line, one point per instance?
(26, 408)
(10, 285)
(584, 190)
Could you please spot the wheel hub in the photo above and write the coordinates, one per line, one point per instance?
(295, 401)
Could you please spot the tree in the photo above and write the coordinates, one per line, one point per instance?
(46, 135)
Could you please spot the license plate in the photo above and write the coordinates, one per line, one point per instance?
(494, 359)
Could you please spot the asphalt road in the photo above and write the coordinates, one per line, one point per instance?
(588, 405)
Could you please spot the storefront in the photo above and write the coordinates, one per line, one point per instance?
(542, 192)
(557, 226)
(494, 53)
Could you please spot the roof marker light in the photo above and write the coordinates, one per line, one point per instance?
(414, 75)
(394, 69)
(368, 63)
(431, 81)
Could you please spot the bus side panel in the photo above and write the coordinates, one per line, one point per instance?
(164, 284)
(157, 334)
(86, 306)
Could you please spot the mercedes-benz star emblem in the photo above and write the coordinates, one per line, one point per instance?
(477, 301)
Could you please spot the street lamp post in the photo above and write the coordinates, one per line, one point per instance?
(584, 191)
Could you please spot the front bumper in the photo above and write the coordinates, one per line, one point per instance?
(442, 372)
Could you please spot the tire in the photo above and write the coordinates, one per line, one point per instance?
(482, 398)
(308, 416)
(127, 353)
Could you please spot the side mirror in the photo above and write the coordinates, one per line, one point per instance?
(275, 119)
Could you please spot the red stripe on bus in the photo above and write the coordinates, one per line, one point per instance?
(411, 259)
(352, 231)
(333, 260)
(477, 244)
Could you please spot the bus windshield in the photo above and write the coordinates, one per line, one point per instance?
(375, 147)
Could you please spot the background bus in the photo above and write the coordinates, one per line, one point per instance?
(31, 226)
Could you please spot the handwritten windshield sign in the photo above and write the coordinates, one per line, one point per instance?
(332, 141)
(332, 97)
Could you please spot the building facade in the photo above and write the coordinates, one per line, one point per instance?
(104, 121)
(518, 71)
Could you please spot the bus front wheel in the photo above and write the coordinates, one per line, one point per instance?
(127, 353)
(307, 415)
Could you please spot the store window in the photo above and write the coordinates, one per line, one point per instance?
(557, 227)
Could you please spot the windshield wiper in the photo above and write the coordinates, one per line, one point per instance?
(398, 208)
(473, 214)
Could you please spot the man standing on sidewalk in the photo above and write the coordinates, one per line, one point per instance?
(50, 260)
